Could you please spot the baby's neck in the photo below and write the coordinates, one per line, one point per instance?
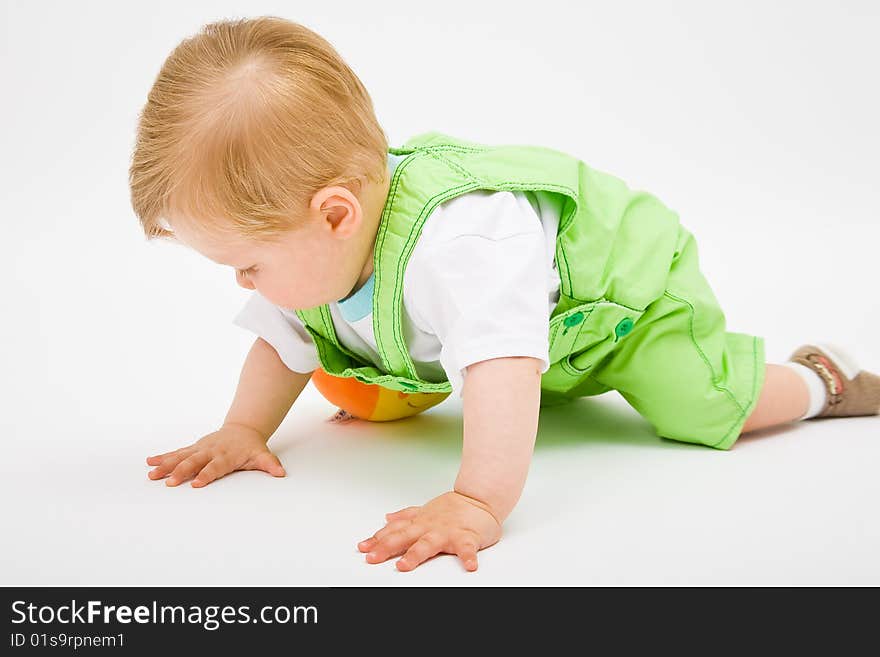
(374, 197)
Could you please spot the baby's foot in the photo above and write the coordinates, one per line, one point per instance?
(850, 390)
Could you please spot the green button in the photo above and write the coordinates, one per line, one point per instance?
(574, 319)
(624, 327)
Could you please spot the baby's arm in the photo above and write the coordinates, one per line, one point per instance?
(501, 402)
(266, 391)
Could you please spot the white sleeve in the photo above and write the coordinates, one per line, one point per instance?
(282, 329)
(480, 282)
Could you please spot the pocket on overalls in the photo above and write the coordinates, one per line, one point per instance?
(583, 335)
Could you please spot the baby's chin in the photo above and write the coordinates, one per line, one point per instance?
(299, 303)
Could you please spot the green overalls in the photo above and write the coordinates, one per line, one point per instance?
(634, 313)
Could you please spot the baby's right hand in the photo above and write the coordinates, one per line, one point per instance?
(232, 447)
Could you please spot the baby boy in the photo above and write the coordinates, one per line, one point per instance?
(513, 276)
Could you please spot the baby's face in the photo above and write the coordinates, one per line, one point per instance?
(303, 268)
(319, 262)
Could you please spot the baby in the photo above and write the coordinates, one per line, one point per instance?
(513, 276)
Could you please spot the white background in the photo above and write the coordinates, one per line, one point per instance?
(755, 121)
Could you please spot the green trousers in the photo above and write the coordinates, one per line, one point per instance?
(680, 368)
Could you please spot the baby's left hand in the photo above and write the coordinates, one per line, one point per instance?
(452, 523)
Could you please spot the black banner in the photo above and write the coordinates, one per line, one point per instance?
(59, 620)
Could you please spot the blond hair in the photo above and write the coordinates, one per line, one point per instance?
(245, 122)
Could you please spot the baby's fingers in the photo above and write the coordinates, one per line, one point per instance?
(422, 550)
(392, 527)
(403, 514)
(217, 468)
(466, 548)
(393, 544)
(156, 460)
(165, 463)
(267, 462)
(189, 466)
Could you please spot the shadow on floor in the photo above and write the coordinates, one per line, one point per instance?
(765, 433)
(596, 421)
(588, 420)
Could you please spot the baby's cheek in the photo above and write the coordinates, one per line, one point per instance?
(276, 294)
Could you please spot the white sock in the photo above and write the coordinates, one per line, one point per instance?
(816, 384)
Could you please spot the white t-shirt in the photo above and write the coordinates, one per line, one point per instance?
(481, 283)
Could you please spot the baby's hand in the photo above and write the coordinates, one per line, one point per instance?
(452, 523)
(232, 447)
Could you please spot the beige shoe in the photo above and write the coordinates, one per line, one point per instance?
(851, 390)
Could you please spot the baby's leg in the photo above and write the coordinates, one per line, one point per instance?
(784, 398)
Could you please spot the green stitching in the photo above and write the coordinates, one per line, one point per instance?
(572, 370)
(327, 318)
(564, 221)
(397, 293)
(700, 351)
(754, 400)
(318, 340)
(560, 251)
(328, 325)
(435, 151)
(408, 247)
(456, 167)
(560, 319)
(380, 240)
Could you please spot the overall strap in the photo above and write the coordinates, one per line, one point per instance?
(421, 181)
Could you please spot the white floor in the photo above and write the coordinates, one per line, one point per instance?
(113, 349)
(607, 503)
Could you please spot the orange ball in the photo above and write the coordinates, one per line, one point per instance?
(370, 401)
